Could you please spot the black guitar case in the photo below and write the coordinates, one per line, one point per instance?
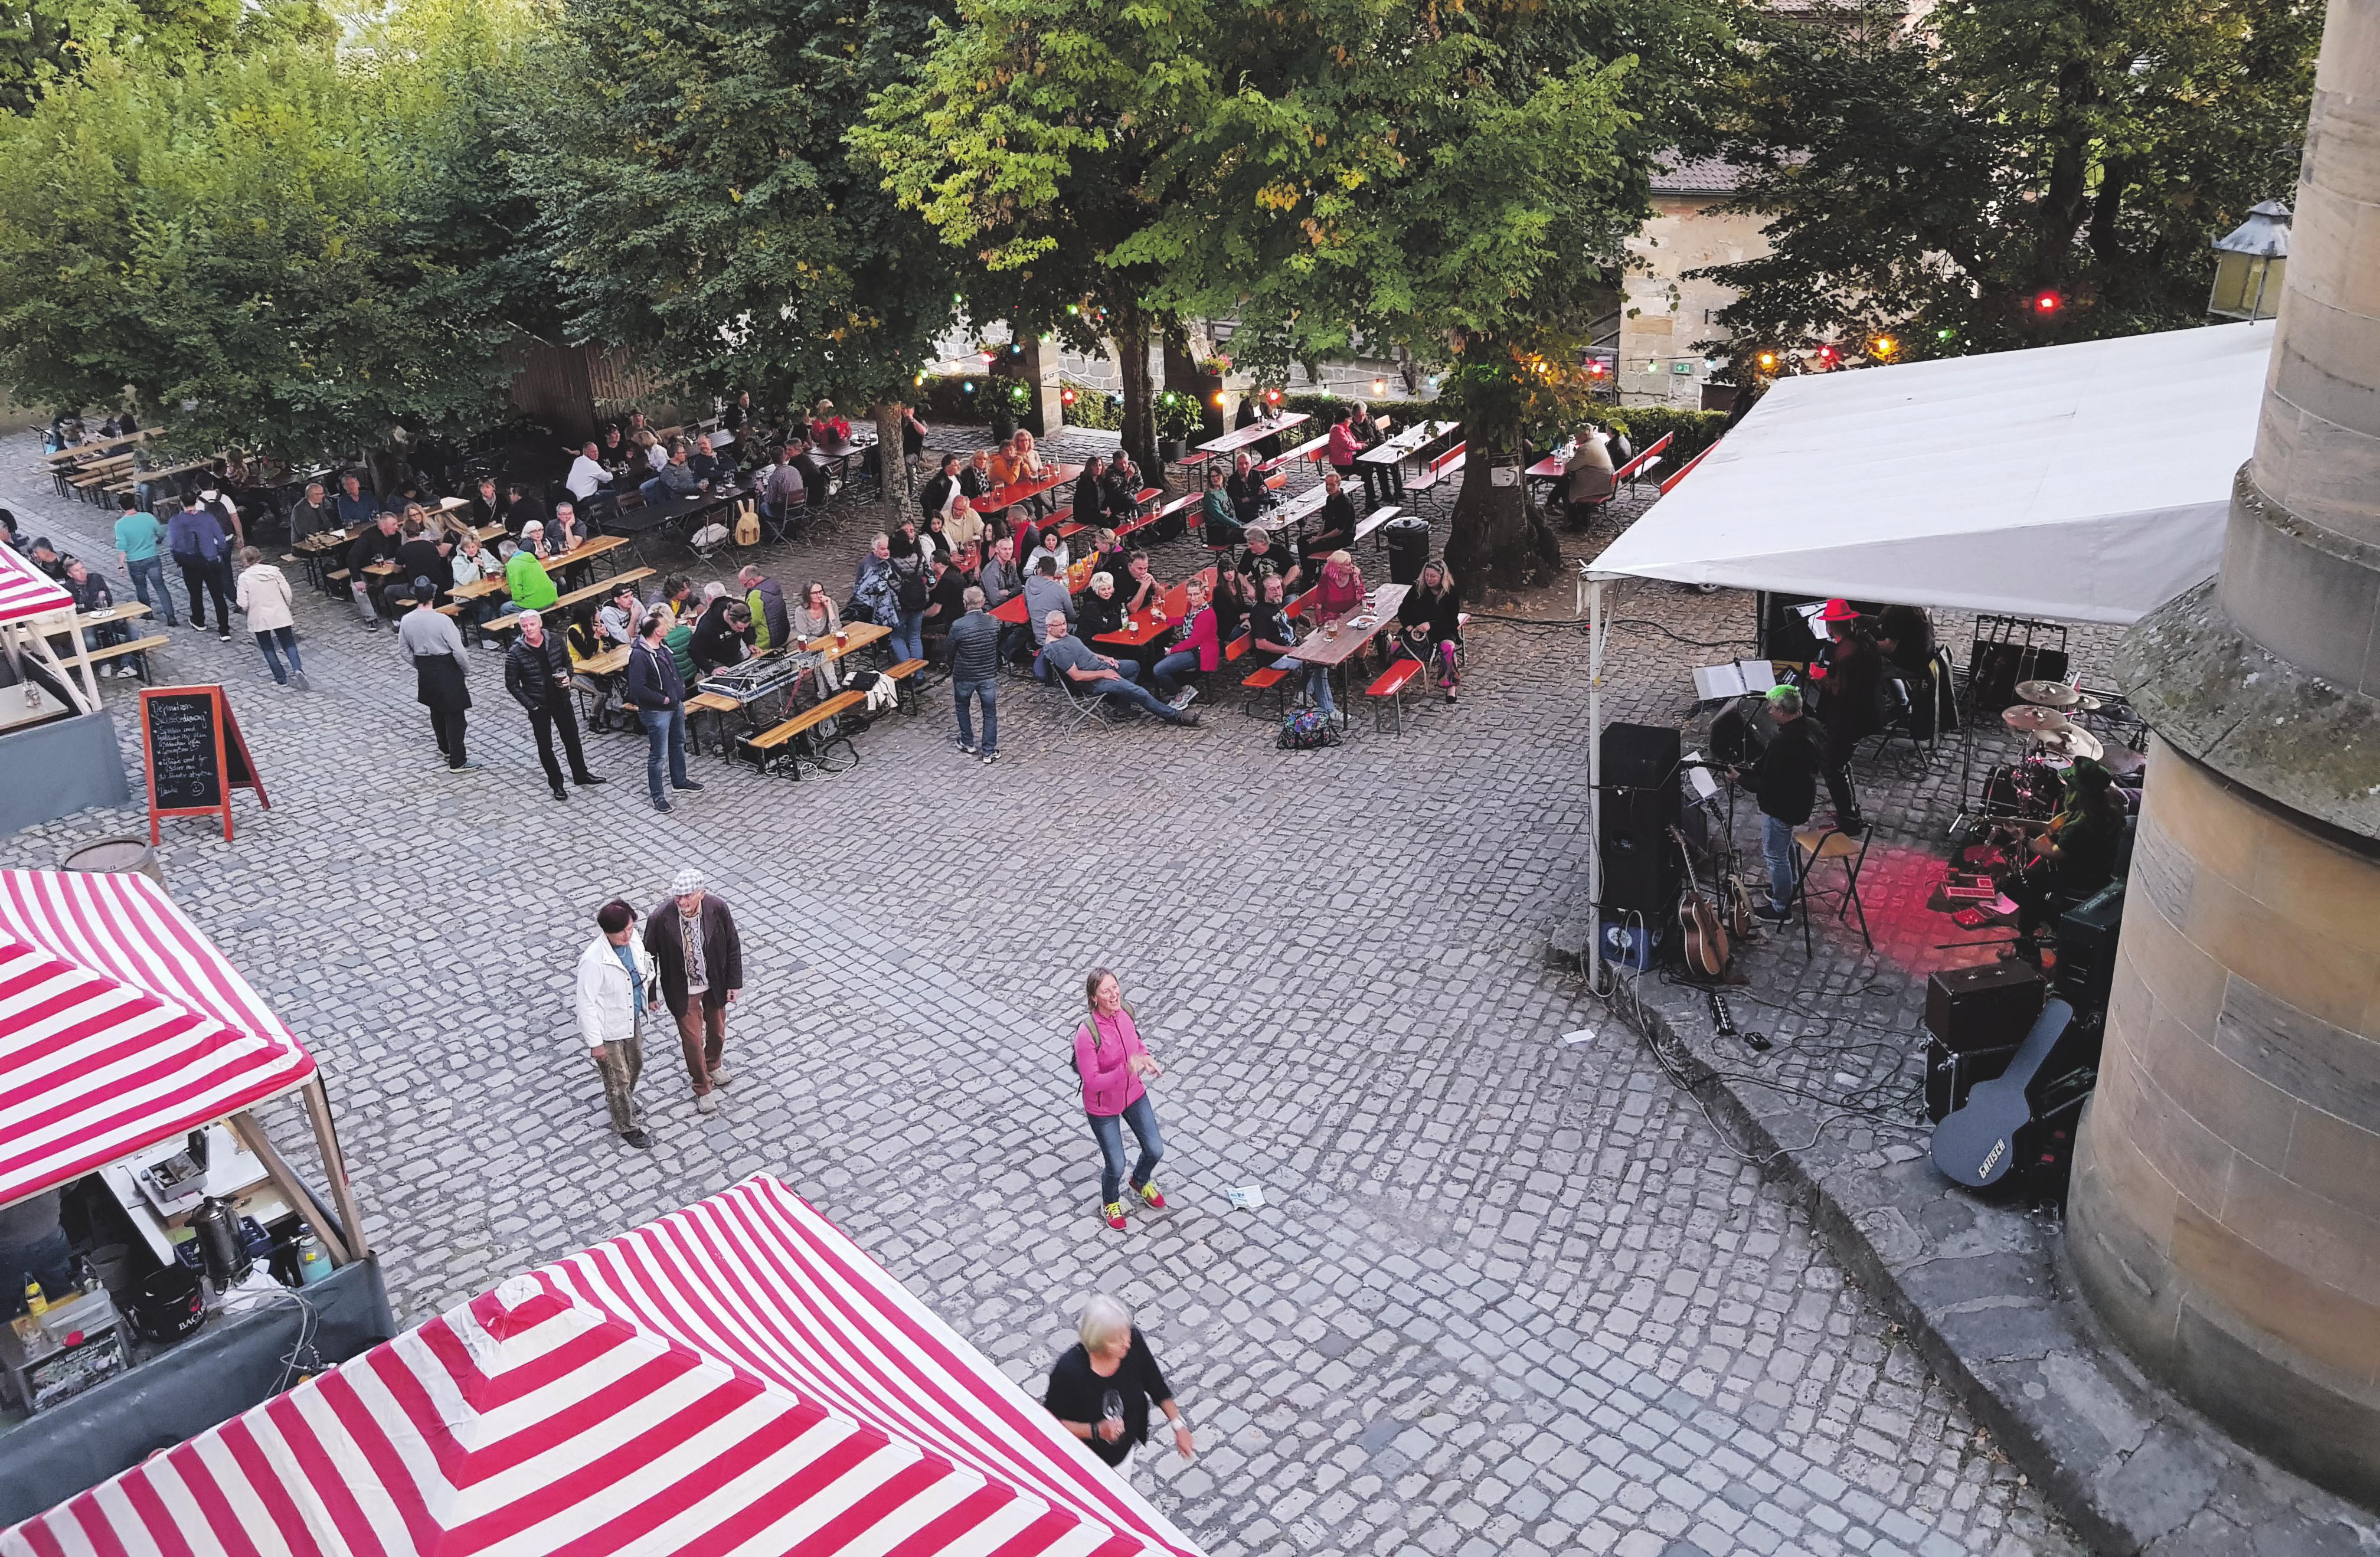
(1976, 1145)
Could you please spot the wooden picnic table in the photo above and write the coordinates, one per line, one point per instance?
(610, 661)
(1323, 646)
(855, 636)
(1172, 611)
(1255, 432)
(1391, 450)
(1012, 609)
(57, 457)
(1019, 492)
(130, 610)
(124, 481)
(586, 552)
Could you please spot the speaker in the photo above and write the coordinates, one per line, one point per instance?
(1641, 869)
(1989, 1007)
(2086, 949)
(1951, 1074)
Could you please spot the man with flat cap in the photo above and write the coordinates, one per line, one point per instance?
(692, 938)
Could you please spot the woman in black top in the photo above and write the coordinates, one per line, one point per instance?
(1429, 619)
(1231, 598)
(1090, 501)
(1100, 1388)
(1097, 611)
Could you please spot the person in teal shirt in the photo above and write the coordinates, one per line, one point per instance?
(138, 537)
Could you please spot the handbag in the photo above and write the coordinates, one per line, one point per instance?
(1305, 729)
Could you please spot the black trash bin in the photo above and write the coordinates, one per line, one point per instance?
(1408, 538)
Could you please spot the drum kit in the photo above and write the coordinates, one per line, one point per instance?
(2053, 737)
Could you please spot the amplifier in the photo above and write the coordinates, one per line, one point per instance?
(1951, 1075)
(1986, 1007)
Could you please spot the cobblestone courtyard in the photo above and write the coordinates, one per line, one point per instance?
(1507, 1295)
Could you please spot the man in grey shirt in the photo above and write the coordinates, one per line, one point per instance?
(439, 667)
(1092, 671)
(975, 669)
(1046, 592)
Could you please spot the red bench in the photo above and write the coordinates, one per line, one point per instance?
(1390, 687)
(1273, 679)
(1438, 469)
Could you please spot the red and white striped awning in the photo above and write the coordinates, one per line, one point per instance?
(736, 1379)
(26, 591)
(121, 1026)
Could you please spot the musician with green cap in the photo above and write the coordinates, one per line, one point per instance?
(1785, 781)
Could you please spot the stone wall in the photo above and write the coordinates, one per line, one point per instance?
(1664, 311)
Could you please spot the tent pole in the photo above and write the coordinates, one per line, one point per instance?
(335, 1166)
(1595, 782)
(252, 1136)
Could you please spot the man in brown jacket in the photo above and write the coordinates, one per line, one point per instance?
(693, 942)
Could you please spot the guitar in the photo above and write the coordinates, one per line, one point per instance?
(1705, 937)
(1740, 920)
(1976, 1143)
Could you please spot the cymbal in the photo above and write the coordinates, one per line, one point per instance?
(2032, 720)
(2049, 694)
(2085, 704)
(2072, 741)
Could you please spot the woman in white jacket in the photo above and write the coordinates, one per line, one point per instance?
(264, 599)
(618, 986)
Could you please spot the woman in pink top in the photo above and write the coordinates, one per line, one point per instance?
(1201, 647)
(1114, 1065)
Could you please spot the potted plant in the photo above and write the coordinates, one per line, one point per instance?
(1175, 414)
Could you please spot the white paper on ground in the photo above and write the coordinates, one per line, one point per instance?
(1244, 1197)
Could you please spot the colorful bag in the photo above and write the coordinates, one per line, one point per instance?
(1305, 729)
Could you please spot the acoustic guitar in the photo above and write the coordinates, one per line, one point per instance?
(1976, 1144)
(1705, 937)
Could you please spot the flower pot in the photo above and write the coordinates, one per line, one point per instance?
(1176, 450)
(1003, 426)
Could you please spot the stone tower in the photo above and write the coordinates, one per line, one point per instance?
(2226, 1211)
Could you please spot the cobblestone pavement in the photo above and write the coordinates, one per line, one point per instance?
(1507, 1295)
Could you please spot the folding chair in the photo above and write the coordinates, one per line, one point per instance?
(1813, 844)
(1090, 707)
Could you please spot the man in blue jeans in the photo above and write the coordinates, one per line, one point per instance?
(975, 673)
(658, 694)
(1069, 656)
(1786, 780)
(138, 534)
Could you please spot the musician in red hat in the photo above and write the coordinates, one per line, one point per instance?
(1849, 672)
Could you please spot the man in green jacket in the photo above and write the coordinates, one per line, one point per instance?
(526, 580)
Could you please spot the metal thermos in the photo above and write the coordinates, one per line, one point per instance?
(220, 1248)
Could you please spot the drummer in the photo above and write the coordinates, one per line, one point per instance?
(2072, 858)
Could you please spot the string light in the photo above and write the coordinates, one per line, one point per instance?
(1379, 386)
(1767, 360)
(2047, 302)
(968, 387)
(1884, 346)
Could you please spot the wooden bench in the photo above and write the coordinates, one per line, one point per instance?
(781, 740)
(602, 589)
(135, 649)
(1390, 687)
(1271, 678)
(912, 672)
(1296, 608)
(719, 705)
(1311, 450)
(1446, 465)
(1187, 500)
(1238, 647)
(1370, 524)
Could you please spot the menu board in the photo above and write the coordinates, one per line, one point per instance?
(194, 754)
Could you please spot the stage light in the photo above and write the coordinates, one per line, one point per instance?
(1594, 368)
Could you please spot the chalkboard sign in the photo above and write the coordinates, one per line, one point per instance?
(195, 753)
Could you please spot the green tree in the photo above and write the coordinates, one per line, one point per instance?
(45, 42)
(701, 206)
(1927, 190)
(1457, 181)
(1036, 138)
(271, 249)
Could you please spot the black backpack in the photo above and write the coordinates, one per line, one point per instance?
(909, 583)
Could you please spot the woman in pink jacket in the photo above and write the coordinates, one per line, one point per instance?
(1114, 1066)
(1201, 646)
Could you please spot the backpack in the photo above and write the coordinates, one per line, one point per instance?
(909, 584)
(1305, 729)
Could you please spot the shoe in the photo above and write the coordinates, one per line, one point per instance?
(1450, 694)
(463, 768)
(1185, 696)
(689, 785)
(371, 627)
(298, 679)
(1151, 1193)
(1113, 1211)
(224, 635)
(968, 748)
(1190, 722)
(586, 779)
(638, 1138)
(705, 1103)
(720, 1077)
(1769, 913)
(660, 805)
(1855, 828)
(990, 757)
(560, 792)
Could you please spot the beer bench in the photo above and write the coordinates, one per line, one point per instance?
(601, 589)
(791, 744)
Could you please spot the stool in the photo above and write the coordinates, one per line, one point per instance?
(1813, 844)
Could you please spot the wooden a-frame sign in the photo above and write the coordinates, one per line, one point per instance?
(195, 754)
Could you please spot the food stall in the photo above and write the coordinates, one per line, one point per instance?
(200, 1274)
(737, 1377)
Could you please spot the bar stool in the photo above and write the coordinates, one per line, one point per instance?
(1813, 846)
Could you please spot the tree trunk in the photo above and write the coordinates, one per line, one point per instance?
(1130, 338)
(892, 457)
(1498, 537)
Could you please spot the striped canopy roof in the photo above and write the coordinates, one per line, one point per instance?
(121, 1026)
(26, 591)
(736, 1379)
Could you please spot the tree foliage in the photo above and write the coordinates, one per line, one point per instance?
(1930, 187)
(43, 42)
(272, 249)
(700, 203)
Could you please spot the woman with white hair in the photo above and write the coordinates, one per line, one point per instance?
(1101, 1388)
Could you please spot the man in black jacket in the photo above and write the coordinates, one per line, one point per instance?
(536, 673)
(315, 515)
(1786, 780)
(658, 694)
(378, 543)
(700, 958)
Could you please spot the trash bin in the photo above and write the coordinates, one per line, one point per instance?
(108, 856)
(1407, 537)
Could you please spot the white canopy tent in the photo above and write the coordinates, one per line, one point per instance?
(2086, 482)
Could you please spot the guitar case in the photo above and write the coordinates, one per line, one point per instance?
(1977, 1143)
